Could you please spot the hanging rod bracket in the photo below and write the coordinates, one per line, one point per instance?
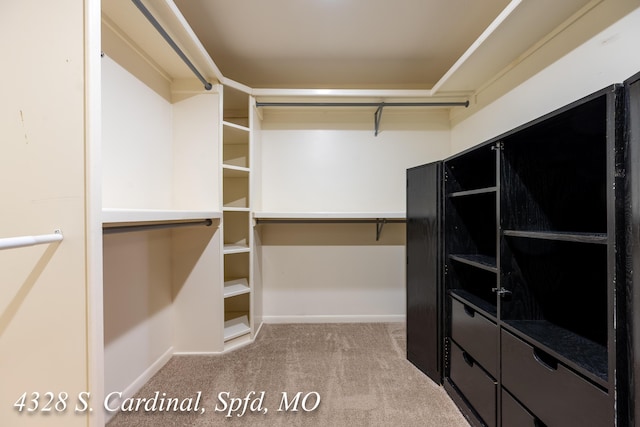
(379, 225)
(377, 116)
(147, 14)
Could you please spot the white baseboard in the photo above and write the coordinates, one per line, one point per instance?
(135, 386)
(388, 318)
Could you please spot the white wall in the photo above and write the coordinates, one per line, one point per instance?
(43, 289)
(609, 57)
(138, 327)
(330, 161)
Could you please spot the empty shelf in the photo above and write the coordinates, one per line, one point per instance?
(586, 356)
(599, 238)
(119, 216)
(236, 327)
(487, 190)
(480, 261)
(236, 287)
(476, 302)
(235, 249)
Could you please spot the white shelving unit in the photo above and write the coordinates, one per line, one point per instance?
(160, 150)
(237, 250)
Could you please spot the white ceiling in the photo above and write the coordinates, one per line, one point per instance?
(374, 44)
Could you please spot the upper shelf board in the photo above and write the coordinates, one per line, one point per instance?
(329, 215)
(121, 216)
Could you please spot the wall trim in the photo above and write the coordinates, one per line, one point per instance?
(138, 383)
(346, 318)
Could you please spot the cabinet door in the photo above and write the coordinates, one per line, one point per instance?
(424, 290)
(633, 255)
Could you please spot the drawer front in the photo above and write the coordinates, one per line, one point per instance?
(554, 393)
(514, 414)
(474, 383)
(476, 334)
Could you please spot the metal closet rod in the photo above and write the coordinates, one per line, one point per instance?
(169, 40)
(148, 227)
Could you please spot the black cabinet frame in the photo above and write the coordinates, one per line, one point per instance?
(539, 227)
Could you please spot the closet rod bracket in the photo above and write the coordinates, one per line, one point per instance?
(380, 222)
(377, 116)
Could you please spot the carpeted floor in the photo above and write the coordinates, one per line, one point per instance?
(359, 371)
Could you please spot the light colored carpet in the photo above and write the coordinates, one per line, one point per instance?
(359, 370)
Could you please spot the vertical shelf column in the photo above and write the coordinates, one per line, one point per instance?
(236, 208)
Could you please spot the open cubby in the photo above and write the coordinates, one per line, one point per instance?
(554, 173)
(236, 228)
(471, 226)
(471, 171)
(473, 285)
(558, 296)
(235, 149)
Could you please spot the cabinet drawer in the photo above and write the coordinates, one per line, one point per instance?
(514, 414)
(476, 334)
(554, 393)
(474, 383)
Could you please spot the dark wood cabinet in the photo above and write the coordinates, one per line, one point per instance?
(539, 227)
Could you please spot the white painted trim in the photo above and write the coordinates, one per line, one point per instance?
(382, 318)
(93, 208)
(187, 28)
(354, 93)
(139, 382)
(235, 85)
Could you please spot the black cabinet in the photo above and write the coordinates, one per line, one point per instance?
(538, 230)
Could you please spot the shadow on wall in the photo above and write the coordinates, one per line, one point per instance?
(9, 311)
(142, 275)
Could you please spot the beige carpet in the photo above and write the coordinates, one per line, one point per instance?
(359, 371)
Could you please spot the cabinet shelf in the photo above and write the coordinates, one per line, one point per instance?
(235, 209)
(487, 190)
(585, 356)
(236, 287)
(236, 327)
(235, 249)
(597, 238)
(235, 126)
(230, 171)
(477, 303)
(480, 261)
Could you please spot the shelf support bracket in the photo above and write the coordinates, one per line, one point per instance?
(379, 225)
(377, 116)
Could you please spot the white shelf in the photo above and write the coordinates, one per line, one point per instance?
(235, 249)
(120, 216)
(329, 215)
(234, 209)
(236, 327)
(236, 287)
(235, 126)
(230, 171)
